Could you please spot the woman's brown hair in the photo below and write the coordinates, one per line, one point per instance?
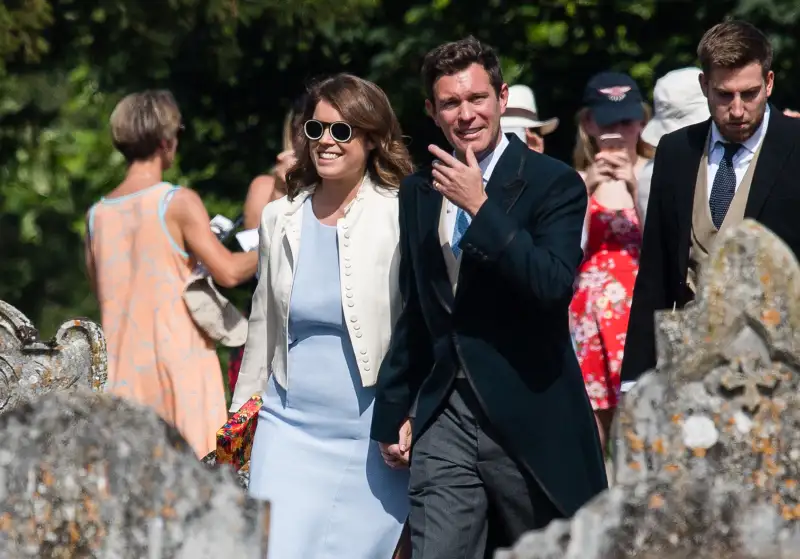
(365, 107)
(586, 147)
(734, 44)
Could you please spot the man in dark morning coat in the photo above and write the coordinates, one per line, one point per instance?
(744, 162)
(481, 358)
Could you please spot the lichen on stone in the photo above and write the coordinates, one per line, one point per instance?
(707, 444)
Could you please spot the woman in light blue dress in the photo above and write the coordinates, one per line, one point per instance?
(321, 322)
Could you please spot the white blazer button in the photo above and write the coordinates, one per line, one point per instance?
(358, 334)
(363, 352)
(350, 303)
(353, 318)
(366, 367)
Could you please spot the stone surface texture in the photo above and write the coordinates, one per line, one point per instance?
(84, 475)
(29, 367)
(707, 446)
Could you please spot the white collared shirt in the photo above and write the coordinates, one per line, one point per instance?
(742, 159)
(487, 165)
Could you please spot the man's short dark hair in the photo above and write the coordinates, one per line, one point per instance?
(451, 58)
(734, 44)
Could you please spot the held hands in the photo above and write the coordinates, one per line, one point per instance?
(597, 173)
(613, 165)
(396, 455)
(461, 184)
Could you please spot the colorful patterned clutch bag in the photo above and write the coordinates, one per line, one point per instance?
(235, 438)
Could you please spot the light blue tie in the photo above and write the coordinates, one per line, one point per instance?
(462, 222)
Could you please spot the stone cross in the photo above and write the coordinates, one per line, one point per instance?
(707, 445)
(749, 381)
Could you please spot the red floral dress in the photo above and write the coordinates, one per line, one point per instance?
(602, 302)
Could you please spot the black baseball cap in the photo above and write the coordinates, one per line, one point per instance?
(613, 97)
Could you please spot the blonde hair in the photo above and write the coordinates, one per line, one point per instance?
(291, 130)
(586, 148)
(142, 121)
(288, 131)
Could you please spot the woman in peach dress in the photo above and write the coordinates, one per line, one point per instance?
(143, 241)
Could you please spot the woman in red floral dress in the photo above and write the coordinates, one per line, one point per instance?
(608, 156)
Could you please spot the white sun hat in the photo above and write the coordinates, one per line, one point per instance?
(678, 102)
(521, 112)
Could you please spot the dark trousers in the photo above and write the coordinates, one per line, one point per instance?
(468, 496)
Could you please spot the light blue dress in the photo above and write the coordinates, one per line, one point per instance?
(331, 494)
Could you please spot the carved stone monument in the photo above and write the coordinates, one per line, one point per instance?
(91, 475)
(29, 367)
(707, 446)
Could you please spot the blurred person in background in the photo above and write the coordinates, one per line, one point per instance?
(271, 186)
(322, 316)
(263, 190)
(143, 241)
(678, 102)
(522, 118)
(609, 154)
(708, 177)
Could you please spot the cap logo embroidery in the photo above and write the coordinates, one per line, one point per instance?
(616, 93)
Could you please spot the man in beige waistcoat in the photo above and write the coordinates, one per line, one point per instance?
(742, 162)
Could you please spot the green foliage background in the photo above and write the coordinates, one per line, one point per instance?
(235, 66)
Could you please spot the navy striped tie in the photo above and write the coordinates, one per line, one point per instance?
(724, 187)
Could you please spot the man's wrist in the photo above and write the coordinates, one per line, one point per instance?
(473, 207)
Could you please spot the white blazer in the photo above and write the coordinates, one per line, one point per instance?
(369, 256)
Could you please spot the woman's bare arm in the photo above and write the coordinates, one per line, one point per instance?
(228, 269)
(260, 193)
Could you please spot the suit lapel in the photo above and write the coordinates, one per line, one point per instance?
(293, 223)
(504, 188)
(775, 149)
(506, 183)
(684, 183)
(429, 207)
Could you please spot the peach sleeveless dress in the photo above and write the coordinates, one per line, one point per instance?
(156, 354)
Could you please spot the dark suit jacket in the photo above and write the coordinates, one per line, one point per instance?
(507, 325)
(774, 201)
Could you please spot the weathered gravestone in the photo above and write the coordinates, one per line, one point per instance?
(91, 475)
(707, 446)
(75, 358)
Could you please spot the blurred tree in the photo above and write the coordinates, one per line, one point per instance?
(21, 25)
(236, 65)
